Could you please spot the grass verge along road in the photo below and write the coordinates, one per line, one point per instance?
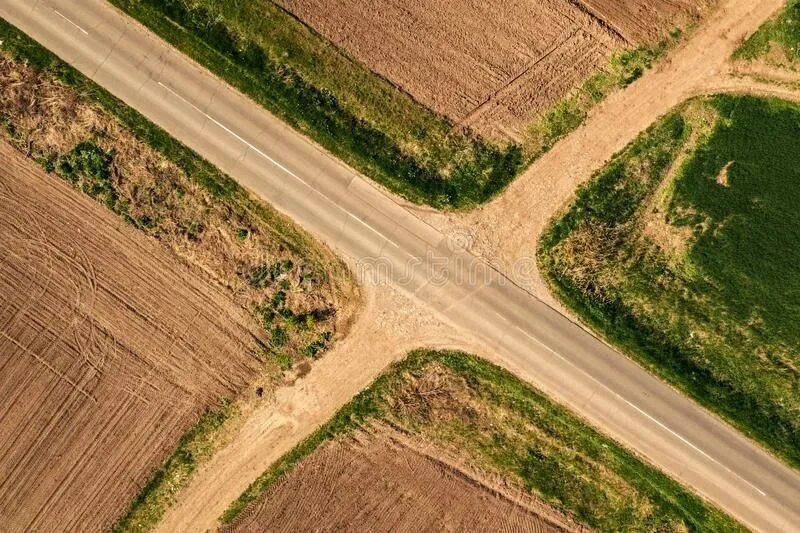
(684, 252)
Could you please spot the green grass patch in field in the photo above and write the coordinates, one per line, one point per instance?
(692, 265)
(777, 42)
(498, 422)
(196, 445)
(360, 117)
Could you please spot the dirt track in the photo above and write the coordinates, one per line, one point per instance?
(388, 327)
(492, 66)
(109, 349)
(383, 482)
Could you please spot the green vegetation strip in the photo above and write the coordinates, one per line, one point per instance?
(361, 118)
(777, 41)
(508, 428)
(692, 266)
(196, 445)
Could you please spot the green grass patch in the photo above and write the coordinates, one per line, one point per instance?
(196, 446)
(508, 428)
(777, 42)
(358, 116)
(710, 298)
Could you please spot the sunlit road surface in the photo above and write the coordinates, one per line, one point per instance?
(343, 209)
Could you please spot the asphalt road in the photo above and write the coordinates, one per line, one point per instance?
(354, 217)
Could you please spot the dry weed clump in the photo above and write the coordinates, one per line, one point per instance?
(586, 255)
(435, 395)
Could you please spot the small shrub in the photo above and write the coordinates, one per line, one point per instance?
(278, 337)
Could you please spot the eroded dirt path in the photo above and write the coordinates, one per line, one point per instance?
(389, 326)
(506, 230)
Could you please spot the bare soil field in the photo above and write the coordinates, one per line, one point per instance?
(382, 481)
(109, 350)
(490, 66)
(639, 21)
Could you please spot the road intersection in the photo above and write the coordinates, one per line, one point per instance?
(369, 227)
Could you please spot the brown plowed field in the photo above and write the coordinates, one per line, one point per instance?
(109, 349)
(382, 481)
(492, 66)
(638, 21)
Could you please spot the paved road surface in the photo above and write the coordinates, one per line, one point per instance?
(351, 215)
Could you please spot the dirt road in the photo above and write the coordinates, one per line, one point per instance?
(389, 326)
